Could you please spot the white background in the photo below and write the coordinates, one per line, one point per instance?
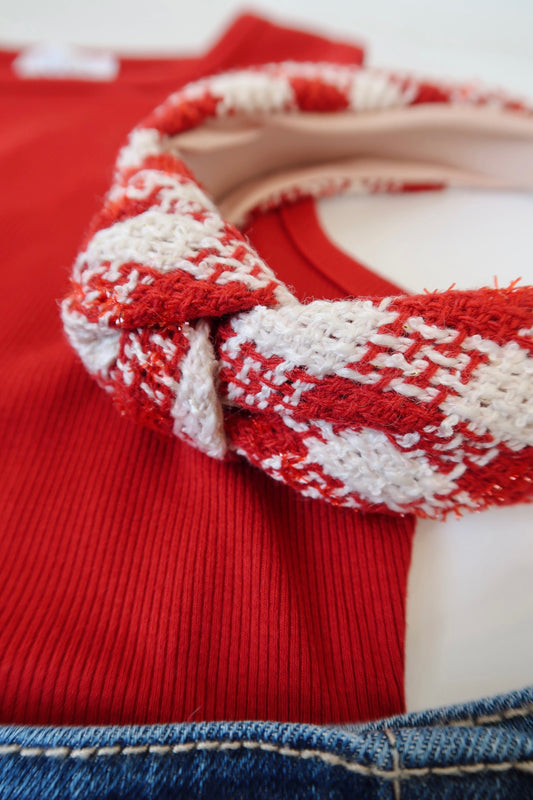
(470, 600)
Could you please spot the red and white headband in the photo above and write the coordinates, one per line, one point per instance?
(417, 404)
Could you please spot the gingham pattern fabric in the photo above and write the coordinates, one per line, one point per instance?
(409, 404)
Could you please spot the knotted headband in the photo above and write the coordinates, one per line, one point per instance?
(417, 404)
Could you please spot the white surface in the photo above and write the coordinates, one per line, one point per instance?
(430, 240)
(470, 603)
(470, 608)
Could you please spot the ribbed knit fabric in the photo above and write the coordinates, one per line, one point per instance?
(140, 580)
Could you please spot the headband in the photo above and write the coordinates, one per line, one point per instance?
(403, 404)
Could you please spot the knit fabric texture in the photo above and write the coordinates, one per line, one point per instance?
(400, 404)
(142, 581)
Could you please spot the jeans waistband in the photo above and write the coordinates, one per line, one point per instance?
(480, 749)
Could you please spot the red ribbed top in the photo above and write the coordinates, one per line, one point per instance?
(141, 581)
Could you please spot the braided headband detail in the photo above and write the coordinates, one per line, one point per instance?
(417, 404)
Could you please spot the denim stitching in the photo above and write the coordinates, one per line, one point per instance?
(395, 762)
(499, 716)
(396, 774)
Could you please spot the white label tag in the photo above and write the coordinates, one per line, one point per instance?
(66, 62)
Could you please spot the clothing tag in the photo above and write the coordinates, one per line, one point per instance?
(66, 62)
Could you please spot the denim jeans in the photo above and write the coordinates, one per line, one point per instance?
(482, 749)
